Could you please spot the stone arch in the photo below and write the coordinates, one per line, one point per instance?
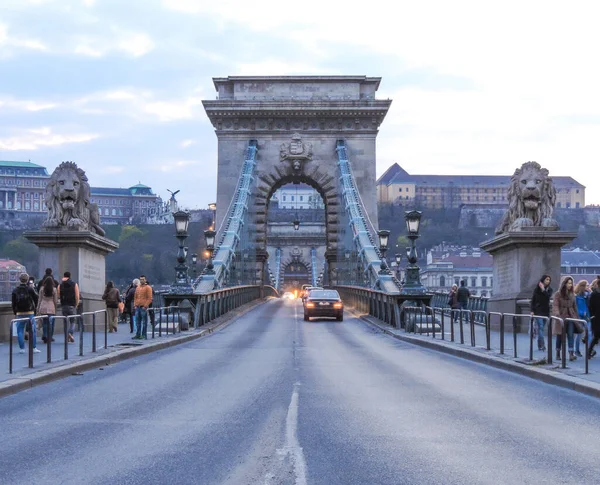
(287, 273)
(323, 182)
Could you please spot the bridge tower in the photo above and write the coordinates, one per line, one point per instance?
(297, 122)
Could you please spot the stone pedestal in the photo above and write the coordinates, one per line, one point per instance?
(83, 254)
(520, 259)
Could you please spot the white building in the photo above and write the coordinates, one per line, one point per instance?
(299, 196)
(444, 269)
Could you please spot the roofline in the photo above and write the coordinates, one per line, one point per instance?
(297, 79)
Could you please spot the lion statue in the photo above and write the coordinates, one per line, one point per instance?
(531, 199)
(68, 201)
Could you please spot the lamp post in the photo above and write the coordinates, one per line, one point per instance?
(398, 258)
(194, 264)
(213, 207)
(413, 282)
(296, 224)
(347, 272)
(182, 220)
(209, 236)
(384, 236)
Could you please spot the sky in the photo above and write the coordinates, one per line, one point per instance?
(477, 87)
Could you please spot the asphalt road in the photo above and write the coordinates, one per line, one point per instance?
(272, 399)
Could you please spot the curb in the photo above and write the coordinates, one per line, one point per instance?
(568, 382)
(18, 384)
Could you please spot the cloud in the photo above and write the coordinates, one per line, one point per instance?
(26, 105)
(187, 143)
(36, 138)
(135, 44)
(176, 166)
(113, 169)
(8, 41)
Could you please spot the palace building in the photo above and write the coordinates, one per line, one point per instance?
(397, 186)
(23, 184)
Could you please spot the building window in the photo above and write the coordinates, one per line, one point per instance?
(114, 202)
(106, 212)
(473, 281)
(442, 280)
(400, 189)
(18, 205)
(568, 205)
(19, 182)
(484, 293)
(114, 212)
(484, 281)
(576, 205)
(301, 198)
(36, 206)
(577, 191)
(456, 280)
(36, 183)
(27, 205)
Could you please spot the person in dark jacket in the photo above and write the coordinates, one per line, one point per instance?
(47, 274)
(540, 307)
(595, 316)
(129, 295)
(68, 294)
(24, 303)
(112, 298)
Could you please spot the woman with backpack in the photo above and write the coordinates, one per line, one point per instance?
(47, 303)
(112, 298)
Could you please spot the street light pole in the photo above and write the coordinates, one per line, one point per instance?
(209, 236)
(182, 220)
(413, 281)
(384, 236)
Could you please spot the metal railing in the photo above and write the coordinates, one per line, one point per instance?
(172, 314)
(431, 320)
(363, 230)
(229, 232)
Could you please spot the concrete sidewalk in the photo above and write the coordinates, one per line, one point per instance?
(121, 346)
(573, 377)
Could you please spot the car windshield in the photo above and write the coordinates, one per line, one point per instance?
(328, 294)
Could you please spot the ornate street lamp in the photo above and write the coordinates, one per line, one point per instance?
(182, 220)
(384, 236)
(413, 281)
(194, 263)
(296, 224)
(209, 236)
(213, 207)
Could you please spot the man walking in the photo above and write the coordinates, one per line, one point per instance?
(463, 295)
(141, 302)
(68, 294)
(24, 303)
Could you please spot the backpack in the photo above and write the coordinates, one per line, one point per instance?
(23, 300)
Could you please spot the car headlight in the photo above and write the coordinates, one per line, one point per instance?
(337, 305)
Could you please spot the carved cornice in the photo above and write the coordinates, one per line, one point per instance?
(275, 116)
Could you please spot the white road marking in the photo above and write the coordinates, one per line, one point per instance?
(292, 448)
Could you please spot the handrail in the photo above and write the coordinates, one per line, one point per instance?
(229, 237)
(361, 225)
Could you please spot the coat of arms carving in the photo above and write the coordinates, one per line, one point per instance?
(296, 152)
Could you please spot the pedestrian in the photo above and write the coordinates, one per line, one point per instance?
(129, 295)
(24, 302)
(462, 295)
(453, 301)
(564, 306)
(581, 298)
(68, 294)
(595, 316)
(540, 307)
(112, 298)
(47, 274)
(48, 301)
(141, 301)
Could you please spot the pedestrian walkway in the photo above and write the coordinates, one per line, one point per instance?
(574, 369)
(115, 341)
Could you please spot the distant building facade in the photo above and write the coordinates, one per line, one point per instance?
(299, 196)
(453, 191)
(123, 206)
(580, 264)
(9, 277)
(449, 266)
(23, 185)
